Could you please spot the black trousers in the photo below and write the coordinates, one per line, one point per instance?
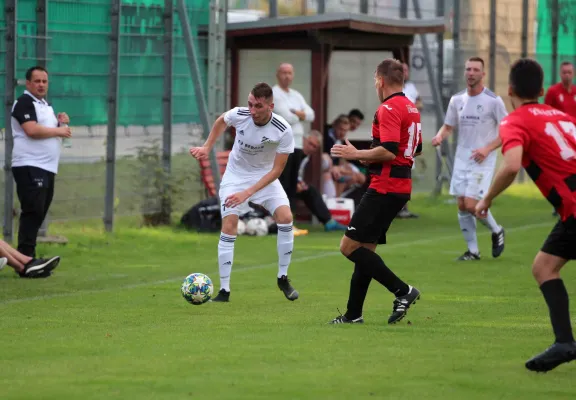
(313, 200)
(289, 177)
(35, 189)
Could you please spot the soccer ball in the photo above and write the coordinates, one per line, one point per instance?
(197, 289)
(241, 227)
(257, 227)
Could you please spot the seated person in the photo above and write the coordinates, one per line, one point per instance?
(309, 194)
(26, 267)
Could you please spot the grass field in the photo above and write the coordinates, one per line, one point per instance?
(111, 323)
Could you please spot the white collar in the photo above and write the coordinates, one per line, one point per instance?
(43, 101)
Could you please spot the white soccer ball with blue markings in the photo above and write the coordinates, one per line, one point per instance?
(197, 288)
(257, 227)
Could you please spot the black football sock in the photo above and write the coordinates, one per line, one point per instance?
(358, 289)
(371, 264)
(556, 297)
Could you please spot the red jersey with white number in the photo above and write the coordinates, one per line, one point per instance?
(562, 99)
(548, 140)
(397, 128)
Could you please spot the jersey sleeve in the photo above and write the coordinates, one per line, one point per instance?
(513, 135)
(24, 110)
(451, 117)
(286, 145)
(500, 111)
(232, 116)
(389, 125)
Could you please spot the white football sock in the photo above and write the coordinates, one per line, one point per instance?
(490, 223)
(468, 226)
(285, 246)
(225, 259)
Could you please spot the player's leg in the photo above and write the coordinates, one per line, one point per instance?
(372, 218)
(467, 222)
(557, 250)
(227, 240)
(478, 186)
(274, 199)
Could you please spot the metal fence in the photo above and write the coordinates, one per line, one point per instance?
(140, 79)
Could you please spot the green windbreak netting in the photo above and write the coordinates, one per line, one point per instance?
(78, 58)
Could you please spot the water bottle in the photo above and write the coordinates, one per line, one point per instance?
(66, 142)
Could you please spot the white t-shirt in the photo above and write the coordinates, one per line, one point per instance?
(292, 100)
(255, 147)
(477, 118)
(40, 153)
(410, 91)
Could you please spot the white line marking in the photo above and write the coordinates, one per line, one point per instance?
(263, 266)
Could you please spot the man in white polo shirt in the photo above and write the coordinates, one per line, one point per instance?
(38, 134)
(290, 104)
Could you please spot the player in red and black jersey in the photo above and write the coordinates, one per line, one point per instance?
(396, 140)
(543, 141)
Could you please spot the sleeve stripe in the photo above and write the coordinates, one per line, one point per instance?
(274, 119)
(278, 125)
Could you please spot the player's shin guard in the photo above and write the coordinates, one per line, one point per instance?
(225, 259)
(372, 265)
(468, 226)
(285, 246)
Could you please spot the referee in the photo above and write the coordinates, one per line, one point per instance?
(38, 134)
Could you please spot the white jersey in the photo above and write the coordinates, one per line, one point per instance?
(255, 147)
(410, 91)
(477, 118)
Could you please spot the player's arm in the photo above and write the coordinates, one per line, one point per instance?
(513, 141)
(550, 99)
(219, 126)
(450, 120)
(25, 113)
(279, 163)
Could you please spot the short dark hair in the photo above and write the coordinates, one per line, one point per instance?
(564, 63)
(356, 113)
(477, 59)
(526, 78)
(341, 119)
(392, 71)
(31, 70)
(262, 91)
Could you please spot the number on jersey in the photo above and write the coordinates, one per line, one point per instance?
(558, 131)
(415, 136)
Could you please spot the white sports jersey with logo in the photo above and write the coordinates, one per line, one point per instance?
(255, 147)
(477, 118)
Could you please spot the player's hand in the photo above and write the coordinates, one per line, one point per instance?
(482, 208)
(236, 199)
(200, 153)
(346, 151)
(479, 155)
(437, 140)
(63, 118)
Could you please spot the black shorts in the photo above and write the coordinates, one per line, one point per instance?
(373, 217)
(561, 242)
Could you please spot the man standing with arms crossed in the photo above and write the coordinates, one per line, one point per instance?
(477, 111)
(290, 104)
(396, 140)
(38, 134)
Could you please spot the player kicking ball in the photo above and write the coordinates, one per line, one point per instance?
(260, 151)
(396, 140)
(543, 141)
(477, 112)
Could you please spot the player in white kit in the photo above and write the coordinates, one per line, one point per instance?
(260, 151)
(477, 111)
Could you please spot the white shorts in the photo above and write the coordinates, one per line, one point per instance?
(271, 197)
(471, 182)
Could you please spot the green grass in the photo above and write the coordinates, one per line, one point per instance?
(111, 324)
